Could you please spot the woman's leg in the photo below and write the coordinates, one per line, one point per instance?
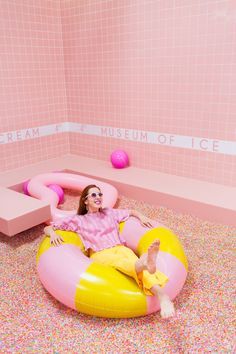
(167, 306)
(148, 262)
(126, 261)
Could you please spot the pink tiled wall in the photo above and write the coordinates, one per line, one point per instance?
(32, 80)
(165, 66)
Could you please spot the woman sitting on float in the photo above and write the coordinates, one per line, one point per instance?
(99, 230)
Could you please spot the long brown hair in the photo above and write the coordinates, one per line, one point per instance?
(82, 206)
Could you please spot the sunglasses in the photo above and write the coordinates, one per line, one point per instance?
(94, 195)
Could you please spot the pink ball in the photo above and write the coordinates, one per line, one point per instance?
(58, 190)
(25, 187)
(119, 159)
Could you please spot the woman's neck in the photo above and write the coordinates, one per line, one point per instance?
(93, 211)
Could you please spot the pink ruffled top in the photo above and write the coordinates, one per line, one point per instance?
(99, 230)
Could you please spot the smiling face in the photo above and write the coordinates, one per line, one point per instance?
(93, 200)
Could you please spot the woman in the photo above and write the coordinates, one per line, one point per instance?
(98, 229)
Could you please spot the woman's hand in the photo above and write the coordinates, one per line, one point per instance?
(55, 239)
(144, 220)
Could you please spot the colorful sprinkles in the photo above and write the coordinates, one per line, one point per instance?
(32, 321)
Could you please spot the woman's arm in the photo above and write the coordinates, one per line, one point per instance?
(55, 239)
(145, 221)
(70, 223)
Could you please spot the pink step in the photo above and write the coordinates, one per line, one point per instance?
(19, 212)
(208, 201)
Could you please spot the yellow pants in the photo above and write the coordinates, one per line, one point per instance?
(123, 259)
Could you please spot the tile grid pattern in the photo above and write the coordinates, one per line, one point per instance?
(157, 66)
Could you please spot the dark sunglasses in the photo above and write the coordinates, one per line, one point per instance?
(94, 195)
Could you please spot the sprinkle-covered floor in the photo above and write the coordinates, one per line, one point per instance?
(34, 322)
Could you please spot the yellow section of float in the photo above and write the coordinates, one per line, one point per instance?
(168, 243)
(121, 226)
(69, 237)
(105, 292)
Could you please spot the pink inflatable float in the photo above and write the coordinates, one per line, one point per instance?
(86, 286)
(37, 187)
(57, 189)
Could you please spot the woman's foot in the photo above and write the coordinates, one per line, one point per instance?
(152, 256)
(148, 260)
(167, 307)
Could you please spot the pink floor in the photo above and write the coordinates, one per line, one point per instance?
(33, 322)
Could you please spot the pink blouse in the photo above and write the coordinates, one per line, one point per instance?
(98, 230)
